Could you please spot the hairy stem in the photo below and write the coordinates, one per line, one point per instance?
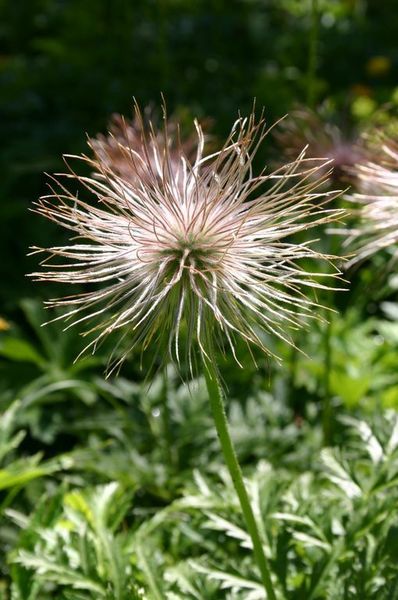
(221, 423)
(166, 422)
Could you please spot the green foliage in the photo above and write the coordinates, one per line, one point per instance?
(117, 488)
(16, 472)
(120, 494)
(73, 545)
(329, 532)
(364, 355)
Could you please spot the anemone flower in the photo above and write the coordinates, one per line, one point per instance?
(199, 243)
(376, 206)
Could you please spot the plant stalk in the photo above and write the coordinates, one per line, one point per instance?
(166, 421)
(221, 423)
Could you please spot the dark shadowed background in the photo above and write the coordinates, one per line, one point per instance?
(67, 65)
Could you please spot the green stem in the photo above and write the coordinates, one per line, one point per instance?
(221, 423)
(166, 421)
(312, 54)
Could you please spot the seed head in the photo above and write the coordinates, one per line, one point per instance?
(323, 137)
(376, 205)
(187, 254)
(126, 136)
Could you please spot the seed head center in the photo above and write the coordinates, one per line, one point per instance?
(190, 251)
(189, 245)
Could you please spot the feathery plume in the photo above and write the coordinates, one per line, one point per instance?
(175, 243)
(376, 205)
(126, 136)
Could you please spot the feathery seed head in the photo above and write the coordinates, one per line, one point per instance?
(376, 205)
(324, 138)
(126, 137)
(189, 252)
